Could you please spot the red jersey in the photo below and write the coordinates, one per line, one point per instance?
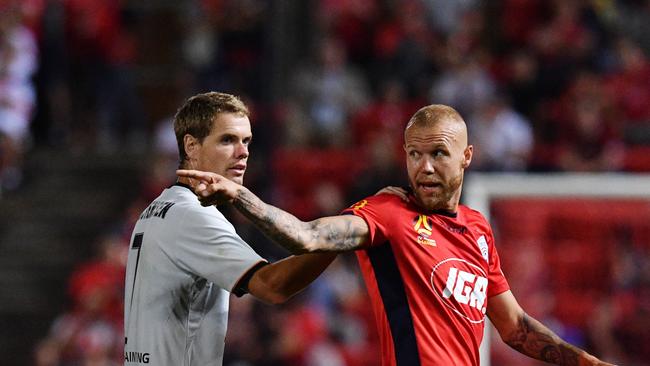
(429, 277)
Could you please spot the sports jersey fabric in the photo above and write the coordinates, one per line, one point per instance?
(183, 262)
(429, 276)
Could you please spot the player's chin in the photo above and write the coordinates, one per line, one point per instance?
(429, 193)
(239, 180)
(430, 201)
(236, 177)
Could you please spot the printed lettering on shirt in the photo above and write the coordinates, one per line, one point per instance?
(136, 357)
(462, 287)
(156, 209)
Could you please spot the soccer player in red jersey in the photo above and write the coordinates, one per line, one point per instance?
(430, 265)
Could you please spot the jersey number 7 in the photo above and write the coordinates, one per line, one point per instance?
(137, 244)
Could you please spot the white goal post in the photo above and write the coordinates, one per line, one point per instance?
(481, 188)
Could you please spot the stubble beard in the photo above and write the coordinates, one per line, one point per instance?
(445, 199)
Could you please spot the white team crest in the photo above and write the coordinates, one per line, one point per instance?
(483, 246)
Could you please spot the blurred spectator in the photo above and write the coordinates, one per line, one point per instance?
(224, 45)
(405, 48)
(522, 81)
(329, 93)
(353, 22)
(464, 84)
(91, 333)
(588, 138)
(629, 89)
(630, 17)
(502, 138)
(557, 42)
(516, 20)
(18, 62)
(386, 115)
(383, 166)
(102, 50)
(447, 15)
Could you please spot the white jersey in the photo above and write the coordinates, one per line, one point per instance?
(184, 261)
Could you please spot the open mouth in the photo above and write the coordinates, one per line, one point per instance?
(429, 186)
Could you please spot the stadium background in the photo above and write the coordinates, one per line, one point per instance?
(88, 89)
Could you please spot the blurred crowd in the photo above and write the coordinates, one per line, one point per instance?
(544, 86)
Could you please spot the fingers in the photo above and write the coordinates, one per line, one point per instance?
(396, 191)
(215, 193)
(201, 189)
(207, 177)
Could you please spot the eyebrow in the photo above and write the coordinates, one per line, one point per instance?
(434, 146)
(234, 136)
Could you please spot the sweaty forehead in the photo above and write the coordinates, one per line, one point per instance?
(449, 131)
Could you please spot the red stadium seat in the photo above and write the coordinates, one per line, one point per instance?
(637, 159)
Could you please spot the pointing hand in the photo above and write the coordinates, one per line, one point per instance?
(211, 188)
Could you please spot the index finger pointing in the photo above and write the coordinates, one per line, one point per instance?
(196, 174)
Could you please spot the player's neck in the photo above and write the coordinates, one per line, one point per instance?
(186, 181)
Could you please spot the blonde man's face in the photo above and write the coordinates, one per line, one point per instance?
(436, 158)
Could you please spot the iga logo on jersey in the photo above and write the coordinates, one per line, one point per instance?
(462, 287)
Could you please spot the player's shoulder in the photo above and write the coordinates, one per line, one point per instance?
(188, 206)
(472, 216)
(380, 201)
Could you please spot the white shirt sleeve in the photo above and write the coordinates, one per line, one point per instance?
(208, 246)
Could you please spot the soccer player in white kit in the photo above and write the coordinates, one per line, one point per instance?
(186, 259)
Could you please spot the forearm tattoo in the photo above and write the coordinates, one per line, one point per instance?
(293, 234)
(535, 340)
(339, 236)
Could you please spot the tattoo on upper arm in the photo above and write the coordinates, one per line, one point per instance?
(535, 340)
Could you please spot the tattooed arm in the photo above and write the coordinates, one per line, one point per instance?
(327, 234)
(530, 337)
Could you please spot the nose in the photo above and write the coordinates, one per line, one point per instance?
(427, 165)
(241, 151)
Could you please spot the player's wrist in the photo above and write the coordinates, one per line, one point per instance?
(588, 360)
(239, 194)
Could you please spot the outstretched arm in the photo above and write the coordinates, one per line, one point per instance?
(530, 337)
(278, 282)
(333, 234)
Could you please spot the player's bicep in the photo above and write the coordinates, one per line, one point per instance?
(339, 233)
(504, 312)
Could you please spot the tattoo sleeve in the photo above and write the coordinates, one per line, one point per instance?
(533, 339)
(326, 234)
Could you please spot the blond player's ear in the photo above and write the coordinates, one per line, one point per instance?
(467, 154)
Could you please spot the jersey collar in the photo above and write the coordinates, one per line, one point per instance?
(179, 184)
